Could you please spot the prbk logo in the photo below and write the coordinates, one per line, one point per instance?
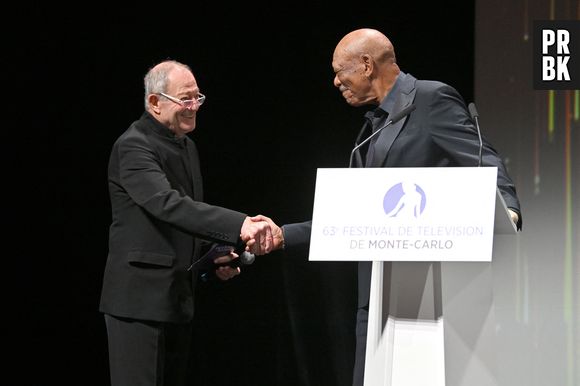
(404, 200)
(556, 50)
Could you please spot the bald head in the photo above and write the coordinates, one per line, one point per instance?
(364, 66)
(158, 77)
(366, 41)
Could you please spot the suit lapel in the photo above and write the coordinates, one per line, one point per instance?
(389, 134)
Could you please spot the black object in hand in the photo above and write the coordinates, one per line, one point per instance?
(207, 266)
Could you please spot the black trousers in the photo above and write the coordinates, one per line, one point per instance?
(362, 320)
(145, 353)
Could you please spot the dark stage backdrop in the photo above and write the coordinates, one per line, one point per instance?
(272, 116)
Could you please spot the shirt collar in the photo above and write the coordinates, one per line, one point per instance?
(388, 103)
(163, 130)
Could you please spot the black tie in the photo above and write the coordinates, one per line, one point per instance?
(363, 134)
(379, 118)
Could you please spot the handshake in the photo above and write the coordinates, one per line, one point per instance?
(261, 235)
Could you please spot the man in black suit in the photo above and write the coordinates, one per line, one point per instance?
(438, 133)
(158, 219)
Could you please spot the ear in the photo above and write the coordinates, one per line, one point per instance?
(153, 103)
(368, 63)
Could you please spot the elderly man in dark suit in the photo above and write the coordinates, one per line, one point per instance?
(438, 133)
(158, 221)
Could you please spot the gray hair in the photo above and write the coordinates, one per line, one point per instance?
(156, 78)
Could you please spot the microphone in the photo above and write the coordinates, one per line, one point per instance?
(475, 117)
(247, 258)
(206, 263)
(395, 118)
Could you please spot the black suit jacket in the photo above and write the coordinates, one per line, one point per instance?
(155, 190)
(438, 133)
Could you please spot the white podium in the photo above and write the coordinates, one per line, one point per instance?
(430, 233)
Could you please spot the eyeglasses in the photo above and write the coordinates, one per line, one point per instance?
(187, 103)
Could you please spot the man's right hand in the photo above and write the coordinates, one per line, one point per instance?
(277, 234)
(257, 234)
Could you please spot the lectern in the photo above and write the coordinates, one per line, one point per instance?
(430, 234)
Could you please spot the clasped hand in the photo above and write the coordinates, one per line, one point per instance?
(269, 235)
(257, 234)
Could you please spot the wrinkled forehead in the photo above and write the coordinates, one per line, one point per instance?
(181, 80)
(342, 57)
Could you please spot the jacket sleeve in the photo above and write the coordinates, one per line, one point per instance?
(453, 130)
(143, 178)
(297, 235)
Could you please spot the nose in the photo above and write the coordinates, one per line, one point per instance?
(336, 81)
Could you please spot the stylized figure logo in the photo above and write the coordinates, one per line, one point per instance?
(405, 199)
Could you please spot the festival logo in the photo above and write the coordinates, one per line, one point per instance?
(404, 200)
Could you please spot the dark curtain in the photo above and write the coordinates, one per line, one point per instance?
(271, 118)
(285, 321)
(321, 311)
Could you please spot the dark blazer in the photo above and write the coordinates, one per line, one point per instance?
(156, 198)
(438, 133)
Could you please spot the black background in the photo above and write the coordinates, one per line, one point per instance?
(272, 116)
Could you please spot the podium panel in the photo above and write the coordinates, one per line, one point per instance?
(403, 214)
(431, 315)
